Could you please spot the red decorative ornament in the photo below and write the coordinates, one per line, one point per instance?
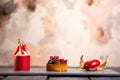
(21, 57)
(92, 64)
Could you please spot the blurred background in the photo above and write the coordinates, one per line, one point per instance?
(67, 28)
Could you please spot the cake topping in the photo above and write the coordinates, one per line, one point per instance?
(57, 60)
(21, 49)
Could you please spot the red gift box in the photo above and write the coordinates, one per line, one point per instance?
(22, 63)
(21, 57)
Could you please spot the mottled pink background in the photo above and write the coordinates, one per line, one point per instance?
(67, 28)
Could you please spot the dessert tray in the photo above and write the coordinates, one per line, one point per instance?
(71, 72)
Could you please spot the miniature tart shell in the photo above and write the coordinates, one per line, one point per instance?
(57, 67)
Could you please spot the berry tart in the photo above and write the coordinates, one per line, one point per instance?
(56, 64)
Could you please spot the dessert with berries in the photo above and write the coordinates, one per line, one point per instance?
(56, 64)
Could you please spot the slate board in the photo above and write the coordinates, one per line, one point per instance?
(72, 72)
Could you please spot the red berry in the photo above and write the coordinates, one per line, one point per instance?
(56, 57)
(51, 57)
(61, 60)
(65, 61)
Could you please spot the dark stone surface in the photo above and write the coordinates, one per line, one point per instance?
(105, 78)
(73, 72)
(37, 74)
(116, 69)
(41, 78)
(67, 78)
(25, 78)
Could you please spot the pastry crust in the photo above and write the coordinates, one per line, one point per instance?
(57, 67)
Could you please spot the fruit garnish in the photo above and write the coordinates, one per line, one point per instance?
(56, 60)
(62, 60)
(51, 57)
(56, 57)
